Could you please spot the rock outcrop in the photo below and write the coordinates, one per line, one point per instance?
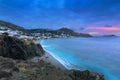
(86, 75)
(17, 49)
(11, 69)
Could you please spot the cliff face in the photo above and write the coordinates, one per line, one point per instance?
(17, 49)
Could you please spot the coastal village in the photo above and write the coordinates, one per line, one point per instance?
(20, 34)
(38, 34)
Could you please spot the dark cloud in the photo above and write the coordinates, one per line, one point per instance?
(96, 10)
(60, 13)
(108, 26)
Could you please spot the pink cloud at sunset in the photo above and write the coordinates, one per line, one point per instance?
(104, 28)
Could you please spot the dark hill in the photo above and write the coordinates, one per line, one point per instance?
(72, 33)
(41, 31)
(11, 26)
(109, 36)
(65, 31)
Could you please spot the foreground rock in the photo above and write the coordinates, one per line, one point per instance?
(26, 70)
(17, 49)
(86, 75)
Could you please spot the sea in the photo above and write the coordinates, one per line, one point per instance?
(97, 54)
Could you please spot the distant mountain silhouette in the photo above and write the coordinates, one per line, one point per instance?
(109, 35)
(55, 32)
(72, 33)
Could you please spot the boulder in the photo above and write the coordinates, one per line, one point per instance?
(86, 75)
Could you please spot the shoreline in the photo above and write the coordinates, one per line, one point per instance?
(48, 58)
(55, 60)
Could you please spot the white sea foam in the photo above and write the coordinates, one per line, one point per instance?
(66, 64)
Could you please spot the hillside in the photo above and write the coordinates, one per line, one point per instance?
(11, 26)
(71, 32)
(63, 32)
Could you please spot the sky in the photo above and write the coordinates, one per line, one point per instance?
(96, 17)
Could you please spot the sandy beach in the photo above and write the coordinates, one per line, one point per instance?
(48, 58)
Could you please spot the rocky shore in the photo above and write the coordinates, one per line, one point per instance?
(16, 63)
